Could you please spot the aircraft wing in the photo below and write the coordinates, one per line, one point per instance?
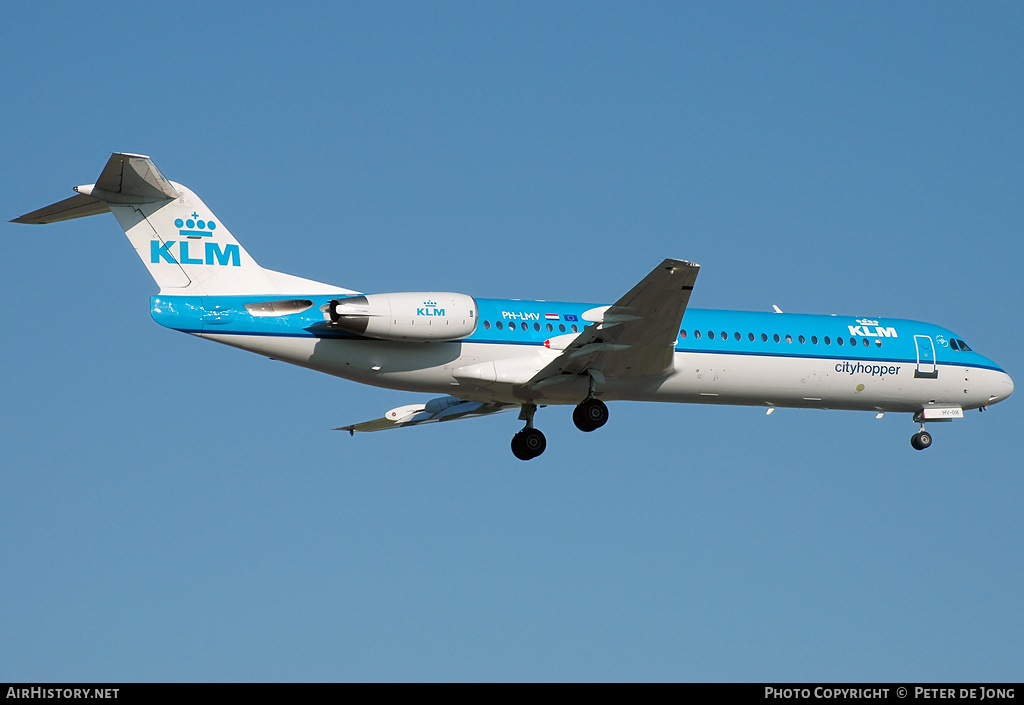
(637, 334)
(441, 409)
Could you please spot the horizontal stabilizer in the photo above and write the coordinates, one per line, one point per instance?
(126, 179)
(75, 207)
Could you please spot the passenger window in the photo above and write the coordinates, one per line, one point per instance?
(789, 338)
(487, 325)
(878, 342)
(526, 326)
(827, 341)
(711, 335)
(764, 338)
(738, 336)
(536, 326)
(696, 333)
(750, 337)
(682, 334)
(853, 341)
(776, 337)
(839, 341)
(801, 339)
(574, 328)
(865, 341)
(561, 327)
(550, 327)
(498, 325)
(814, 340)
(725, 336)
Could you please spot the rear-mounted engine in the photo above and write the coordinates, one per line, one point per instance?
(416, 316)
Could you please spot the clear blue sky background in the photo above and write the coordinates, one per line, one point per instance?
(171, 509)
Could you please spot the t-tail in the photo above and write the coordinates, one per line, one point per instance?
(185, 247)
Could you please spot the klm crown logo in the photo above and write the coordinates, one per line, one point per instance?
(193, 229)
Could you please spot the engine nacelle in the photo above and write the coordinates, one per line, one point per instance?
(422, 316)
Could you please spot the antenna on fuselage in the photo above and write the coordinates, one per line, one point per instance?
(777, 309)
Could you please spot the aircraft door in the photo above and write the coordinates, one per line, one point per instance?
(925, 357)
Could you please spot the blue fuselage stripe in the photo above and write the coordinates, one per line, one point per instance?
(717, 329)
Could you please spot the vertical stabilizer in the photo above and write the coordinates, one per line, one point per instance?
(184, 246)
(186, 249)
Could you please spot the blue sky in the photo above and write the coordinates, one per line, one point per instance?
(171, 509)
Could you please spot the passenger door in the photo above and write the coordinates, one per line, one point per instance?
(925, 357)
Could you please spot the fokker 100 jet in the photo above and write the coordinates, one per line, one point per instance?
(492, 355)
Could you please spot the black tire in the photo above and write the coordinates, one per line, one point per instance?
(579, 419)
(533, 441)
(528, 444)
(518, 449)
(921, 440)
(590, 415)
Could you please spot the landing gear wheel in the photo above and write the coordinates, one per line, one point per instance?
(921, 440)
(590, 415)
(528, 444)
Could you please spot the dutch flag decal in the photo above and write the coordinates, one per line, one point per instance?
(551, 316)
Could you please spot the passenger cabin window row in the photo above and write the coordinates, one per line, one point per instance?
(512, 326)
(711, 335)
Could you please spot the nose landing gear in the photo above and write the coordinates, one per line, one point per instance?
(921, 440)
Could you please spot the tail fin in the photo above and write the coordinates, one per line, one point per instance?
(184, 247)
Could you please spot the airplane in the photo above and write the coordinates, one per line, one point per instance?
(487, 356)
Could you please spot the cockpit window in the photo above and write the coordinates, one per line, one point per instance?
(964, 346)
(952, 344)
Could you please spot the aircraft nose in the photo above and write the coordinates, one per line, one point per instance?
(1002, 388)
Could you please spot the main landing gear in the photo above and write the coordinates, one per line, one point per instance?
(589, 415)
(530, 442)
